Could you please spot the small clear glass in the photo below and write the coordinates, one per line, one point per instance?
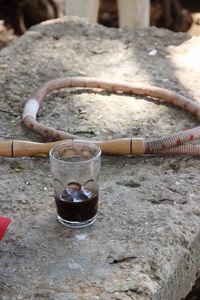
(75, 168)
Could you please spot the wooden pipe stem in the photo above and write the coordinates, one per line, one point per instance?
(17, 148)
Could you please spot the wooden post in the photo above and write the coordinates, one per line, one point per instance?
(134, 13)
(83, 8)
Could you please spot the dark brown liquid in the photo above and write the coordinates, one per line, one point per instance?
(76, 204)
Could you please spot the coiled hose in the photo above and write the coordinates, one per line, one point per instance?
(176, 144)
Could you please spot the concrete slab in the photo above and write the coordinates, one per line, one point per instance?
(146, 240)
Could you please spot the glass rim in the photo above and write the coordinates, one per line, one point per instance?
(98, 155)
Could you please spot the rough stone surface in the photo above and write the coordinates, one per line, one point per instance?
(146, 240)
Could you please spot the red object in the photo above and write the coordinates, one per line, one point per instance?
(4, 222)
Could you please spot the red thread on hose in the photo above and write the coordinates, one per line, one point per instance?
(191, 137)
(163, 146)
(130, 92)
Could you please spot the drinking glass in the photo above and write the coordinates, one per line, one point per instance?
(75, 168)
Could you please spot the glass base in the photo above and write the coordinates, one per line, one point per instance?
(74, 224)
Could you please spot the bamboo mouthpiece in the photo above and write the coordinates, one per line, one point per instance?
(126, 146)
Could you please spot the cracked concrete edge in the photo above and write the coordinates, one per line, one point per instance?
(185, 275)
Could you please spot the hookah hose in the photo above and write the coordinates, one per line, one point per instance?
(175, 144)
